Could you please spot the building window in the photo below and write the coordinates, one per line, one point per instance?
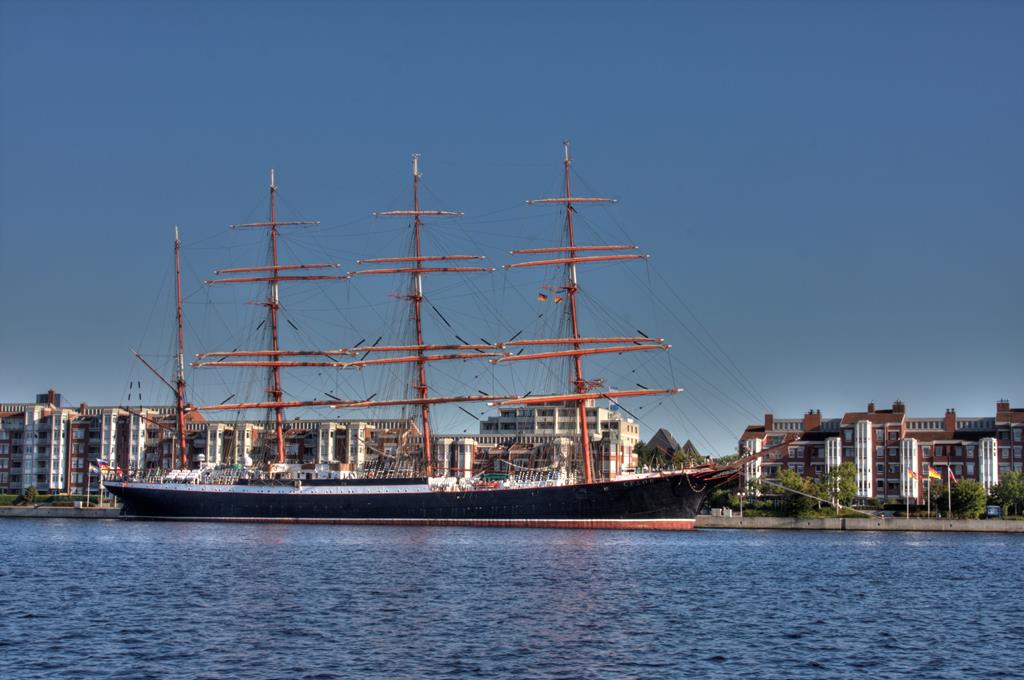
(893, 435)
(848, 435)
(880, 468)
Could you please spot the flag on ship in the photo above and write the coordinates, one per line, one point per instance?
(541, 297)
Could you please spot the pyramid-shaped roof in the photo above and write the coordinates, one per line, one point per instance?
(664, 441)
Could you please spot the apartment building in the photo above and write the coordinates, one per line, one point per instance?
(885, 444)
(35, 444)
(613, 437)
(50, 445)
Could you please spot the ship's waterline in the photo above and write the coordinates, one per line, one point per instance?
(622, 503)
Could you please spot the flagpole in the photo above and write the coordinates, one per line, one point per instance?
(88, 482)
(928, 492)
(905, 483)
(949, 488)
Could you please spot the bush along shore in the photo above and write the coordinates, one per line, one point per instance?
(32, 498)
(57, 512)
(792, 495)
(862, 523)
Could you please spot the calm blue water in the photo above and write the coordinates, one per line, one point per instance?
(130, 600)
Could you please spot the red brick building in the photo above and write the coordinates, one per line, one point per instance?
(884, 444)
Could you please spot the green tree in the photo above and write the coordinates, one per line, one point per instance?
(723, 498)
(649, 457)
(640, 451)
(725, 460)
(840, 484)
(939, 495)
(969, 498)
(685, 459)
(30, 494)
(794, 504)
(1009, 492)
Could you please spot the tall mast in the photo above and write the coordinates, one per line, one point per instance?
(417, 303)
(572, 289)
(273, 304)
(583, 390)
(272, 275)
(180, 378)
(418, 259)
(419, 353)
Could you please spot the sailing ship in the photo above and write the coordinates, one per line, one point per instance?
(417, 485)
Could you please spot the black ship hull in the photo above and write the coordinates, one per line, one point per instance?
(671, 496)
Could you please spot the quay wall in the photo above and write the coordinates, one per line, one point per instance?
(703, 521)
(861, 524)
(58, 512)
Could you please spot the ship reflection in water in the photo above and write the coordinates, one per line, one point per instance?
(129, 599)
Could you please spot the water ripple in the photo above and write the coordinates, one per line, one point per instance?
(149, 600)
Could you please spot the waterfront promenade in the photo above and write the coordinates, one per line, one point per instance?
(57, 512)
(993, 526)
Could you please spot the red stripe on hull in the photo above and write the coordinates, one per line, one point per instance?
(617, 524)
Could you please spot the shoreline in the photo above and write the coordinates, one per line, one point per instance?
(57, 512)
(993, 526)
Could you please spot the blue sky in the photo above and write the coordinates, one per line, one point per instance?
(831, 192)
